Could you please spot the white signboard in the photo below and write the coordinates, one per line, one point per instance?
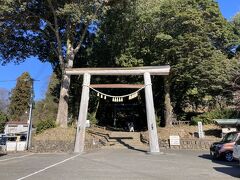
(174, 141)
(200, 130)
(87, 124)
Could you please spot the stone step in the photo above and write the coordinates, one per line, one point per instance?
(124, 143)
(125, 134)
(142, 147)
(125, 140)
(129, 145)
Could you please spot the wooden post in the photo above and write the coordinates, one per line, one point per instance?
(151, 120)
(82, 117)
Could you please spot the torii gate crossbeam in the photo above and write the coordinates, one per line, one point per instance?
(146, 71)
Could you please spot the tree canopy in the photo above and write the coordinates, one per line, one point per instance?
(190, 35)
(48, 30)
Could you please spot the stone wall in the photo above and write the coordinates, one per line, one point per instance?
(59, 140)
(194, 144)
(185, 143)
(97, 141)
(42, 146)
(58, 146)
(197, 143)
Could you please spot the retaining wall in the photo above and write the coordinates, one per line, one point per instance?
(194, 144)
(185, 143)
(57, 146)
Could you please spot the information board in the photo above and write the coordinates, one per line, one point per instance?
(174, 141)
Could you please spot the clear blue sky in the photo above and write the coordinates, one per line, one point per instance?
(229, 7)
(42, 71)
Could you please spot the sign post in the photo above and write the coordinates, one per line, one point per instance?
(200, 130)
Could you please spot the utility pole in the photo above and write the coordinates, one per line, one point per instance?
(29, 132)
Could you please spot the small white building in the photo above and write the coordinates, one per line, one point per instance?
(16, 127)
(16, 133)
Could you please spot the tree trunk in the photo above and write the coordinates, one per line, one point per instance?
(96, 109)
(167, 104)
(62, 114)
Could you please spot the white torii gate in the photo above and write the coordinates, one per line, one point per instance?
(146, 71)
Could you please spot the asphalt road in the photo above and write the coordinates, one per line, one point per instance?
(117, 164)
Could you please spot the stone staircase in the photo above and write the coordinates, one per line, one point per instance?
(125, 140)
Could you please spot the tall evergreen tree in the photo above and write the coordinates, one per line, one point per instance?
(20, 97)
(235, 50)
(236, 22)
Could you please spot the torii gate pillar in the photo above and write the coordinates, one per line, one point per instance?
(151, 119)
(81, 125)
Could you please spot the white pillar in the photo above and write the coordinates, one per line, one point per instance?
(151, 120)
(82, 117)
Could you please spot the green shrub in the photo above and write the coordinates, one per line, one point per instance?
(46, 124)
(158, 120)
(92, 118)
(208, 117)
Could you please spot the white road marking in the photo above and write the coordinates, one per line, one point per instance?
(48, 167)
(19, 157)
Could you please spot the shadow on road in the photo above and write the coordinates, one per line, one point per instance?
(232, 169)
